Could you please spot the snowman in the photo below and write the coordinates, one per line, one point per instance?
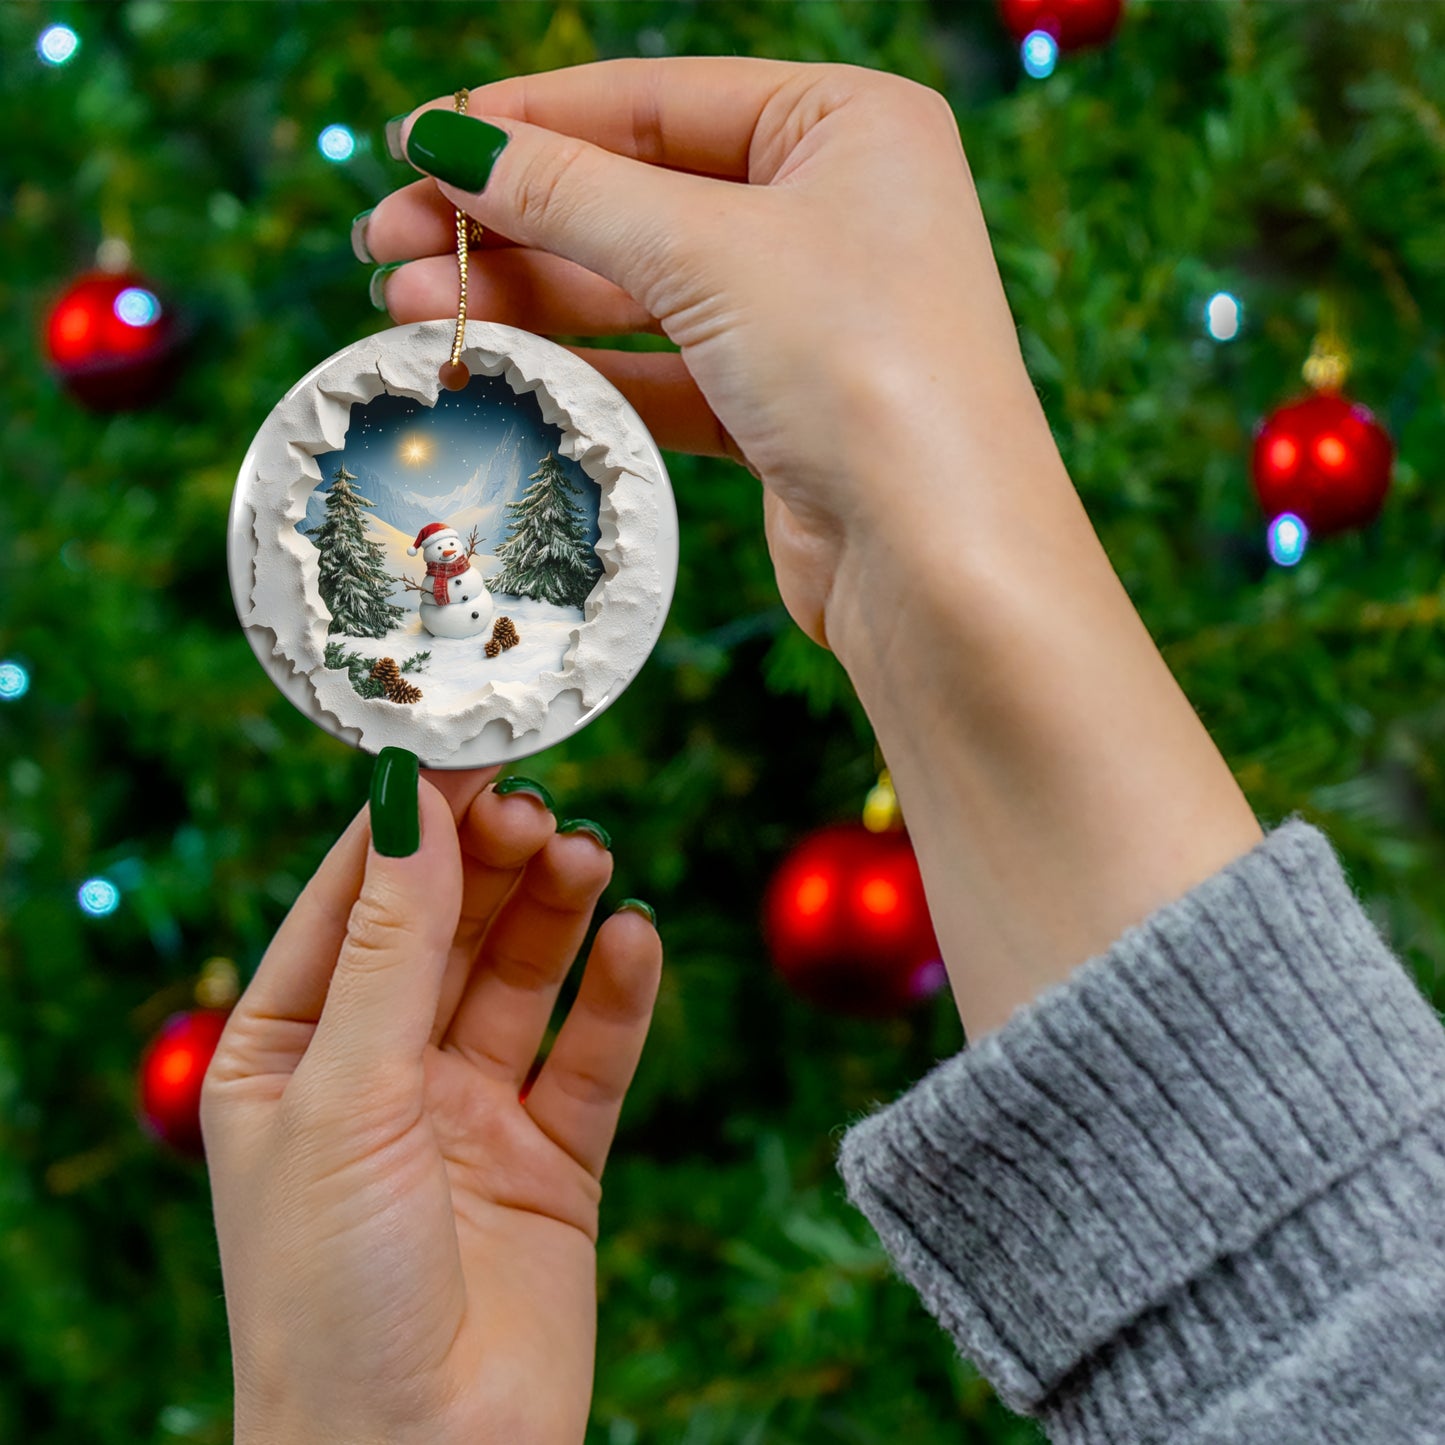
(454, 599)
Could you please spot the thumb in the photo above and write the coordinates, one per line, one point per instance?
(633, 223)
(382, 999)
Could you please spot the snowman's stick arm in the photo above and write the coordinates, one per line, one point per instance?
(473, 542)
(411, 586)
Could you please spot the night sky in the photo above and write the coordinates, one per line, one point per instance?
(431, 450)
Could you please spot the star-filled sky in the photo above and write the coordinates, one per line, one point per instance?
(431, 450)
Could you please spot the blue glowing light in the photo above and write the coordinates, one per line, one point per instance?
(14, 681)
(1223, 316)
(57, 44)
(98, 897)
(138, 307)
(1040, 53)
(336, 143)
(1287, 538)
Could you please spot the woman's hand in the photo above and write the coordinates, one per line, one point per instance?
(832, 312)
(408, 1246)
(810, 237)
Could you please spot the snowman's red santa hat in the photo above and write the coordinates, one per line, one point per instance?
(432, 532)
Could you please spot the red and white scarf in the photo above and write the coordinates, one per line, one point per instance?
(441, 573)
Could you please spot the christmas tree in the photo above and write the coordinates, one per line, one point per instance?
(354, 583)
(546, 554)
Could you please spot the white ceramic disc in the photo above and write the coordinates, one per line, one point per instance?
(471, 575)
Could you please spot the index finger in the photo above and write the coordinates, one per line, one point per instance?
(687, 112)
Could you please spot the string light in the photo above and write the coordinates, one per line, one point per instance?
(57, 44)
(14, 681)
(1288, 536)
(98, 897)
(1223, 316)
(336, 143)
(1040, 54)
(137, 307)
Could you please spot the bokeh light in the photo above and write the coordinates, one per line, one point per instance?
(98, 897)
(1288, 537)
(14, 681)
(1040, 54)
(138, 307)
(57, 44)
(1223, 316)
(336, 143)
(812, 896)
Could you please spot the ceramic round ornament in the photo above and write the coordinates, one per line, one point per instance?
(470, 574)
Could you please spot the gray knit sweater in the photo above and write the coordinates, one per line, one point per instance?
(1197, 1192)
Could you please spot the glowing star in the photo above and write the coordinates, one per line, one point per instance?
(415, 450)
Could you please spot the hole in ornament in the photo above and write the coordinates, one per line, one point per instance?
(424, 511)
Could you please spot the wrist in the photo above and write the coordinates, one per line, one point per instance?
(1057, 783)
(940, 540)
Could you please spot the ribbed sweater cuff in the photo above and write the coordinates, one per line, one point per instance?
(1234, 1057)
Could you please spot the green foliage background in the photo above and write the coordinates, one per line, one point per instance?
(1287, 152)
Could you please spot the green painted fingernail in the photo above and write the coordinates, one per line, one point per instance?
(525, 785)
(393, 137)
(586, 825)
(359, 248)
(636, 905)
(455, 148)
(377, 289)
(395, 808)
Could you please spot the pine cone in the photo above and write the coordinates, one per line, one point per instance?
(493, 648)
(386, 672)
(504, 632)
(400, 690)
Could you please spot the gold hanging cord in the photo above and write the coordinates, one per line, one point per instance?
(453, 372)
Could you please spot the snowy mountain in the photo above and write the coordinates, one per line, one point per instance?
(480, 501)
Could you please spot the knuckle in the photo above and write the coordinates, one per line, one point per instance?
(520, 971)
(542, 189)
(900, 96)
(375, 934)
(587, 1086)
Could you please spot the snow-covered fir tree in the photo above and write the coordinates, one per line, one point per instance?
(546, 554)
(354, 584)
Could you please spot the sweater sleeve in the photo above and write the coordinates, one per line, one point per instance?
(1197, 1191)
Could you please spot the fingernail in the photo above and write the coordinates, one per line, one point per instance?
(377, 288)
(586, 825)
(359, 248)
(393, 137)
(533, 789)
(455, 148)
(636, 905)
(395, 809)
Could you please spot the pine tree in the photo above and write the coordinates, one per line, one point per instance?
(354, 584)
(546, 554)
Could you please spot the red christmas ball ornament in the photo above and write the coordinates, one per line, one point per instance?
(1324, 458)
(111, 341)
(847, 923)
(1074, 24)
(171, 1072)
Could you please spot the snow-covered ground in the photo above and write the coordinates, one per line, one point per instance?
(460, 667)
